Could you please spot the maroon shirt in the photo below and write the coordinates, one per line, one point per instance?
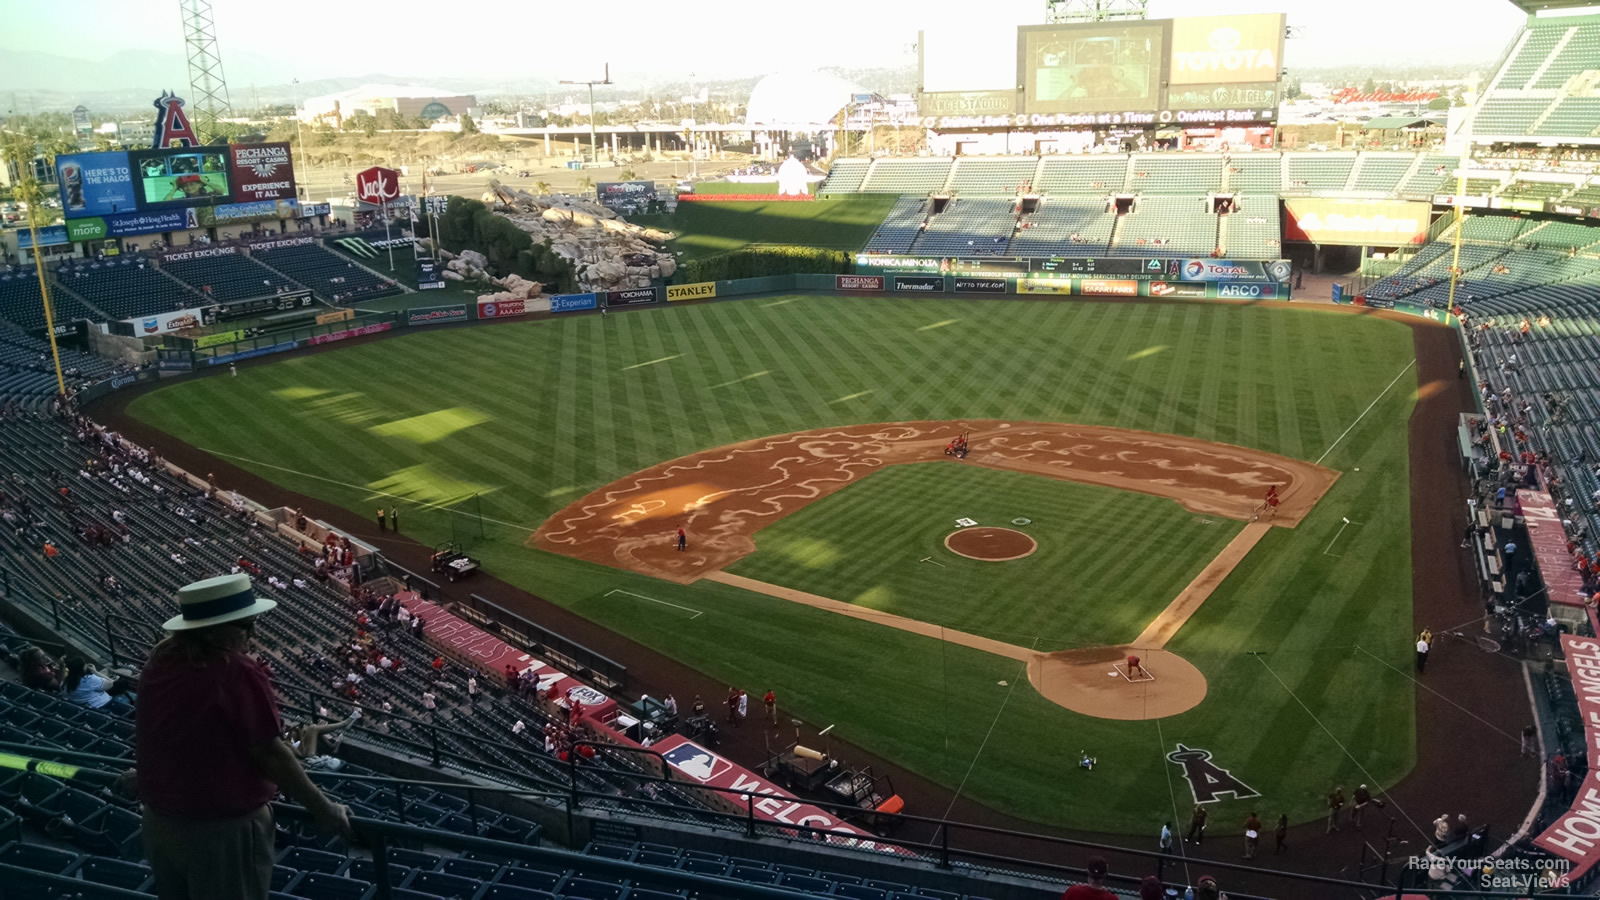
(1087, 892)
(193, 729)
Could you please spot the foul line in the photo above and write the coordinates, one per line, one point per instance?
(1418, 682)
(1364, 412)
(697, 612)
(425, 504)
(1021, 674)
(651, 362)
(1177, 820)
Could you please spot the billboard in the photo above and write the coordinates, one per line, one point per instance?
(573, 302)
(625, 196)
(1109, 287)
(973, 55)
(436, 315)
(501, 309)
(698, 291)
(1099, 67)
(184, 177)
(1360, 223)
(261, 172)
(257, 211)
(94, 228)
(633, 296)
(1227, 49)
(163, 323)
(49, 236)
(980, 285)
(858, 282)
(1203, 270)
(429, 278)
(919, 284)
(377, 185)
(95, 184)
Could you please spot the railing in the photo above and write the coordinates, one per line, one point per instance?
(541, 641)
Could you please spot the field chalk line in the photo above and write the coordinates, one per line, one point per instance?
(425, 504)
(697, 612)
(990, 733)
(1364, 413)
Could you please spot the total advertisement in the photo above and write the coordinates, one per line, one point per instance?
(437, 315)
(95, 184)
(1356, 223)
(165, 323)
(49, 236)
(502, 309)
(633, 297)
(261, 172)
(1230, 271)
(1107, 287)
(1170, 289)
(573, 302)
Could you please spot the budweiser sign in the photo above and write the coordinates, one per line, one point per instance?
(377, 185)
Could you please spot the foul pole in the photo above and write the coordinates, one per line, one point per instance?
(1455, 259)
(44, 299)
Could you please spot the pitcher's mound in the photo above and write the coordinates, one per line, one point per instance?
(990, 544)
(1095, 681)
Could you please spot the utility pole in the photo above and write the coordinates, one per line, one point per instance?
(593, 147)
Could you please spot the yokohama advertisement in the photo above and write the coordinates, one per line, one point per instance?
(1357, 223)
(261, 172)
(858, 282)
(633, 297)
(501, 309)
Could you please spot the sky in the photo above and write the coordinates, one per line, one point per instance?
(648, 40)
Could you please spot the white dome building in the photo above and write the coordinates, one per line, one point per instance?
(799, 98)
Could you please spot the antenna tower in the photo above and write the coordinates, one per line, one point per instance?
(208, 89)
(1071, 12)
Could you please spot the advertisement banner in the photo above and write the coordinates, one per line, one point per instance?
(1057, 286)
(980, 285)
(1226, 49)
(1227, 271)
(95, 184)
(338, 315)
(307, 210)
(920, 284)
(250, 354)
(1575, 834)
(626, 196)
(573, 302)
(50, 236)
(176, 364)
(633, 297)
(165, 323)
(1356, 223)
(377, 185)
(698, 291)
(261, 172)
(1107, 287)
(333, 336)
(437, 315)
(1170, 289)
(501, 309)
(303, 240)
(1224, 96)
(967, 103)
(133, 223)
(221, 337)
(259, 211)
(429, 276)
(1236, 291)
(202, 252)
(182, 177)
(858, 282)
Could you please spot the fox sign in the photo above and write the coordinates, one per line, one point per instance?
(377, 185)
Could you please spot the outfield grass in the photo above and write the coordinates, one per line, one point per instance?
(1108, 561)
(405, 272)
(707, 229)
(531, 416)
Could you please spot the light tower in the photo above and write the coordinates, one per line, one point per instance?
(1066, 12)
(208, 89)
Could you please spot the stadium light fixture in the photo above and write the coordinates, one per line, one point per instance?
(594, 149)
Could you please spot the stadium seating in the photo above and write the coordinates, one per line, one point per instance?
(968, 226)
(1083, 175)
(900, 226)
(1311, 173)
(977, 175)
(1528, 56)
(1253, 230)
(1435, 174)
(27, 373)
(1382, 172)
(1579, 53)
(22, 306)
(126, 288)
(333, 278)
(845, 177)
(229, 278)
(1166, 226)
(1572, 116)
(1180, 173)
(1049, 230)
(907, 176)
(1509, 116)
(1254, 173)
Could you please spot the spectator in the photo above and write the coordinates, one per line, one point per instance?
(39, 671)
(210, 755)
(1207, 889)
(1095, 889)
(86, 688)
(1150, 889)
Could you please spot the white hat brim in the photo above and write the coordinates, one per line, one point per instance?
(261, 605)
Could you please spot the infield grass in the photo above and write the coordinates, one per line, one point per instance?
(531, 416)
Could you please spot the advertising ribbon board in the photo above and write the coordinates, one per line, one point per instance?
(221, 337)
(698, 291)
(1106, 287)
(50, 236)
(858, 282)
(333, 336)
(1356, 223)
(980, 285)
(307, 210)
(257, 211)
(1236, 291)
(1171, 289)
(95, 184)
(1057, 286)
(573, 302)
(338, 315)
(633, 297)
(501, 309)
(165, 323)
(437, 315)
(919, 284)
(94, 228)
(1231, 271)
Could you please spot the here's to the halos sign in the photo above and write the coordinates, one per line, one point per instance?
(698, 291)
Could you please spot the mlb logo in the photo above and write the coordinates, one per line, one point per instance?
(697, 762)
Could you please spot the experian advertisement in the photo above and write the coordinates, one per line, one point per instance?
(1227, 49)
(95, 184)
(1359, 223)
(573, 302)
(261, 172)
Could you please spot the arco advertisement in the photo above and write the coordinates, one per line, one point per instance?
(1357, 223)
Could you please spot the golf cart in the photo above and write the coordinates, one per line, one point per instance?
(448, 558)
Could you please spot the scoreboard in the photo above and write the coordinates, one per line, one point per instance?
(1149, 268)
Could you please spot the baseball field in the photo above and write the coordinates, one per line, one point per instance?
(1127, 441)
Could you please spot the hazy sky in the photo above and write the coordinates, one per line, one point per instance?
(498, 39)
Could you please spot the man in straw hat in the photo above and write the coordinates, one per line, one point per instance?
(210, 754)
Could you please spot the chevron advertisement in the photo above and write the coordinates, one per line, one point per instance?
(1356, 223)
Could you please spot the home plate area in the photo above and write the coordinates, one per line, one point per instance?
(1132, 670)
